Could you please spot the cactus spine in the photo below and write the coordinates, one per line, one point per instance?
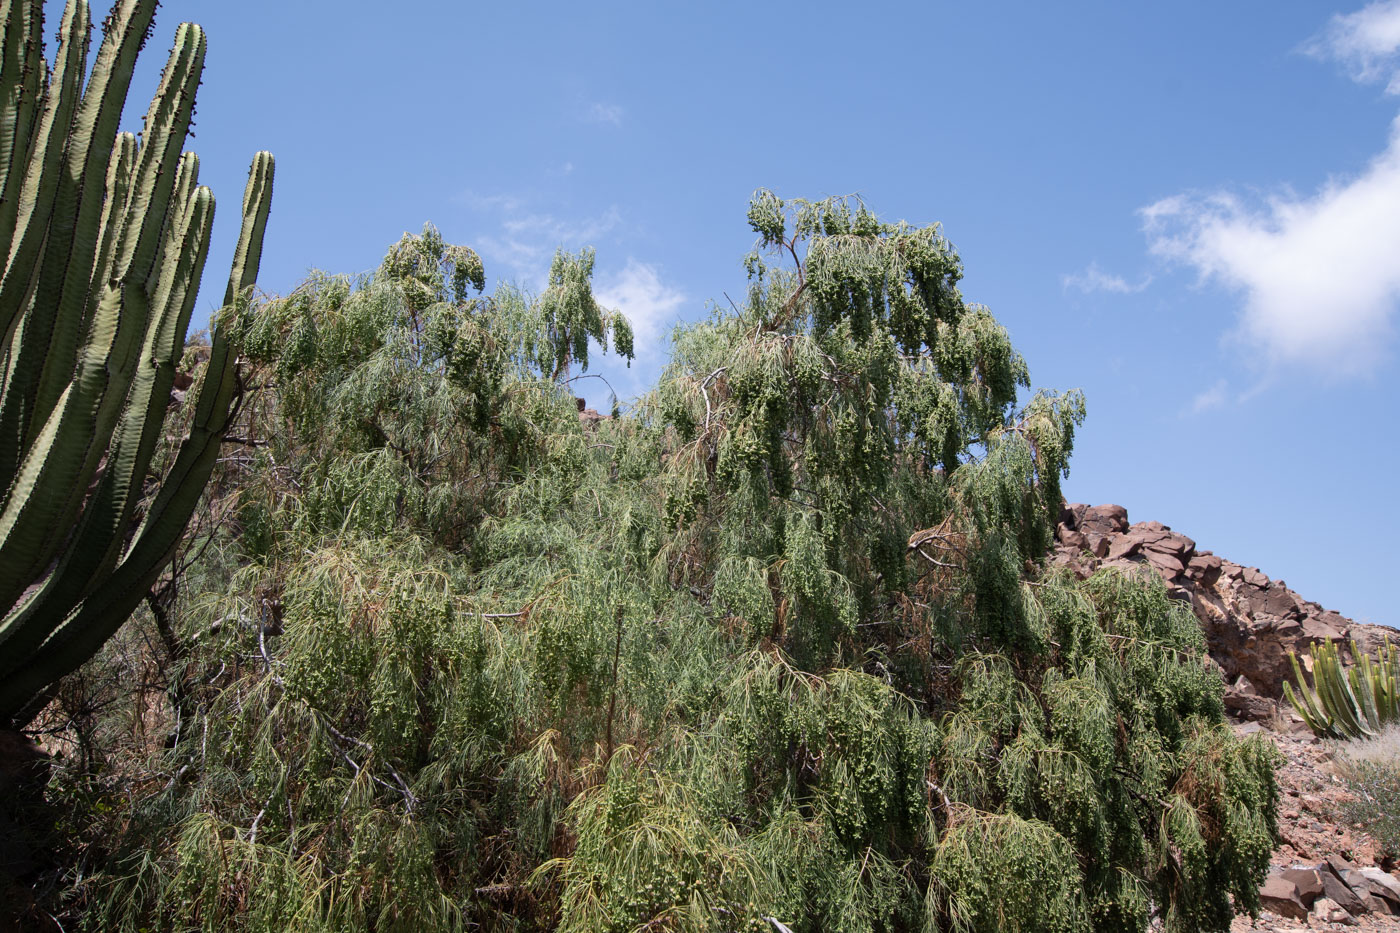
(1348, 703)
(104, 241)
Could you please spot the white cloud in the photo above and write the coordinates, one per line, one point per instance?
(1214, 397)
(1094, 279)
(1318, 274)
(526, 241)
(1365, 42)
(599, 112)
(649, 303)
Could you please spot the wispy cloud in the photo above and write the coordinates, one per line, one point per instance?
(506, 203)
(525, 240)
(1364, 42)
(1094, 279)
(600, 112)
(1317, 274)
(1213, 397)
(649, 303)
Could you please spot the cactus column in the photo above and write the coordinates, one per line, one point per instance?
(107, 240)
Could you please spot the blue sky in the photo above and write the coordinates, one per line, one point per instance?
(1191, 211)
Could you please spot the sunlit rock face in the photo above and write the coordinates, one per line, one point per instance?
(1251, 622)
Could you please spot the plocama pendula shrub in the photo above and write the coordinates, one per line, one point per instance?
(770, 650)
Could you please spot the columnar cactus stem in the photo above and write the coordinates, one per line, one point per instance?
(1348, 703)
(106, 242)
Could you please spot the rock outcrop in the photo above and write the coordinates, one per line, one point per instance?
(1251, 622)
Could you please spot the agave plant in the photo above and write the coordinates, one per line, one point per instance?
(104, 240)
(1348, 703)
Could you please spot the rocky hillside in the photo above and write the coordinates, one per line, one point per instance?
(1251, 622)
(1326, 874)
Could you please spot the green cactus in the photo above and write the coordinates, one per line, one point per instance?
(105, 241)
(1348, 703)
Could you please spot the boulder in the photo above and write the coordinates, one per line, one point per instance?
(1254, 577)
(1339, 891)
(1071, 537)
(1281, 896)
(1382, 884)
(1168, 565)
(1179, 546)
(1104, 519)
(1308, 882)
(1275, 601)
(1327, 910)
(1071, 513)
(1204, 569)
(1125, 546)
(1315, 629)
(1336, 862)
(1250, 706)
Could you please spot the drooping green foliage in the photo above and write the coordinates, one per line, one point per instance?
(1347, 703)
(772, 651)
(106, 241)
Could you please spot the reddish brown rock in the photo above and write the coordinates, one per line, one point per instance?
(1254, 577)
(1281, 896)
(1329, 911)
(1177, 545)
(1126, 546)
(1252, 623)
(1383, 884)
(1104, 519)
(1308, 882)
(1071, 537)
(1168, 565)
(1274, 600)
(1204, 569)
(1339, 891)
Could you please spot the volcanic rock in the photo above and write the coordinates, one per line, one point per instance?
(1334, 887)
(1382, 884)
(1252, 623)
(1327, 910)
(1102, 519)
(1307, 881)
(1281, 896)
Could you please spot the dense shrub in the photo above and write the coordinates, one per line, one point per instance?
(1371, 770)
(770, 651)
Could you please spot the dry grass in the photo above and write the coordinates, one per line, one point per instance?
(1371, 770)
